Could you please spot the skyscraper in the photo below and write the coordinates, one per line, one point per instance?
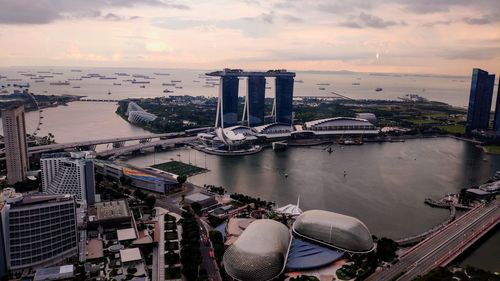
(496, 120)
(227, 112)
(284, 99)
(255, 100)
(481, 93)
(37, 230)
(69, 173)
(16, 147)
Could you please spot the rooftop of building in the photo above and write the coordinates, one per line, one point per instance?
(94, 249)
(111, 210)
(18, 200)
(197, 197)
(126, 234)
(128, 255)
(54, 273)
(242, 73)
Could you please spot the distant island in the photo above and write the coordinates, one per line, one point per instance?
(33, 102)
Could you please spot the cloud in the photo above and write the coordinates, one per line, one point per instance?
(473, 53)
(292, 18)
(438, 22)
(47, 11)
(484, 19)
(444, 6)
(368, 20)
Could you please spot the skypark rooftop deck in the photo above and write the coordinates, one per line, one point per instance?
(241, 73)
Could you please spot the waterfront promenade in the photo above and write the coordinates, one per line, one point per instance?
(443, 246)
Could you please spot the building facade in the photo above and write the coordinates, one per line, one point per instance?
(38, 230)
(254, 111)
(69, 173)
(227, 107)
(481, 93)
(284, 100)
(496, 120)
(255, 100)
(16, 146)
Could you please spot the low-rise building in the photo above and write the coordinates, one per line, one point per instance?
(203, 199)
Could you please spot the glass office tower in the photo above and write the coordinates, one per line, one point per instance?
(256, 100)
(481, 93)
(284, 99)
(496, 120)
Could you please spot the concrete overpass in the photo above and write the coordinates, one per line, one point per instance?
(90, 145)
(137, 147)
(443, 246)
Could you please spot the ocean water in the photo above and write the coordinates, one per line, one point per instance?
(453, 90)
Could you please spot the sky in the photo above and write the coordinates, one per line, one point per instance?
(404, 36)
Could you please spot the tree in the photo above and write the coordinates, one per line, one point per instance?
(171, 258)
(150, 201)
(196, 207)
(181, 179)
(386, 249)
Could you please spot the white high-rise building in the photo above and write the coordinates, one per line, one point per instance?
(69, 173)
(16, 147)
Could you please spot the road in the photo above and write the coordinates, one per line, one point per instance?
(130, 148)
(441, 247)
(171, 203)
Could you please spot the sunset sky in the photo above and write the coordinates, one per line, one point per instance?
(410, 36)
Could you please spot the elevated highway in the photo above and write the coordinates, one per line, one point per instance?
(137, 147)
(443, 246)
(117, 142)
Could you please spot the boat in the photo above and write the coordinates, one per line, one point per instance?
(321, 88)
(109, 92)
(168, 84)
(168, 91)
(57, 73)
(176, 81)
(178, 87)
(356, 84)
(299, 81)
(350, 141)
(107, 78)
(142, 86)
(75, 79)
(164, 74)
(378, 90)
(196, 81)
(39, 80)
(60, 83)
(76, 70)
(117, 84)
(323, 84)
(121, 74)
(140, 82)
(76, 87)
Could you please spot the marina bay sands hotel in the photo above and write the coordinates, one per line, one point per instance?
(254, 109)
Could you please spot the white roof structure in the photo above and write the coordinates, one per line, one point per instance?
(126, 234)
(335, 230)
(229, 137)
(342, 121)
(55, 273)
(259, 253)
(290, 209)
(128, 255)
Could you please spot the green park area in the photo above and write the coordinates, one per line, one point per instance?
(179, 168)
(493, 149)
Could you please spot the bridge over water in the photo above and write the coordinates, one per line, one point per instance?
(443, 246)
(91, 144)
